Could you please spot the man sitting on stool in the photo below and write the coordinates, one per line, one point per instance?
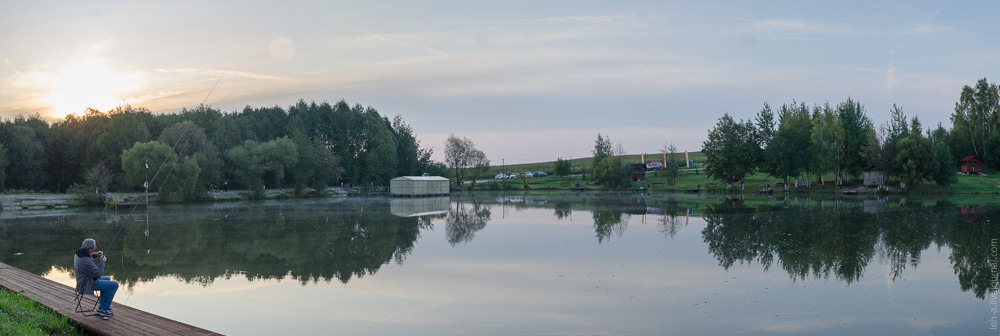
(88, 275)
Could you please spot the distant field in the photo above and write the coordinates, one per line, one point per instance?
(582, 165)
(690, 179)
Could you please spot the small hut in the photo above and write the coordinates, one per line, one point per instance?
(411, 186)
(874, 176)
(971, 165)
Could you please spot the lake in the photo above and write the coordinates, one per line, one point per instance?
(541, 263)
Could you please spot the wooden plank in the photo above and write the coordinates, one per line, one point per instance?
(127, 320)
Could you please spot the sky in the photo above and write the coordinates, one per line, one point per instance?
(526, 81)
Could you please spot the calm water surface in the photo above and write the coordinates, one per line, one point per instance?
(589, 264)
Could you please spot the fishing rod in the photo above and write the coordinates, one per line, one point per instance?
(146, 185)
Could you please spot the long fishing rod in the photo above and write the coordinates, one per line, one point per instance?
(145, 192)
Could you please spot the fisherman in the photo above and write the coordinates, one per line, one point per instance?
(89, 278)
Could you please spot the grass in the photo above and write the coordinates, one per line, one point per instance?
(22, 316)
(691, 179)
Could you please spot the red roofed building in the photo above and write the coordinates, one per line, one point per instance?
(971, 165)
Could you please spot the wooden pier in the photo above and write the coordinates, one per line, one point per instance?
(127, 320)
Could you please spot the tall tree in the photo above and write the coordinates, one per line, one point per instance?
(728, 150)
(602, 149)
(857, 127)
(789, 151)
(825, 141)
(173, 181)
(670, 167)
(975, 120)
(461, 154)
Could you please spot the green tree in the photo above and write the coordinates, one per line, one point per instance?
(248, 166)
(729, 150)
(461, 154)
(280, 155)
(856, 127)
(825, 141)
(670, 167)
(316, 166)
(173, 180)
(790, 149)
(764, 130)
(562, 167)
(915, 159)
(407, 148)
(189, 140)
(976, 120)
(3, 166)
(602, 149)
(25, 152)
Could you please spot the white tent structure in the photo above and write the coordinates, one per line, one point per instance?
(418, 186)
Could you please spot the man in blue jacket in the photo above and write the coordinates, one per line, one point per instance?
(88, 276)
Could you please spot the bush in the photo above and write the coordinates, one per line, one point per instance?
(86, 196)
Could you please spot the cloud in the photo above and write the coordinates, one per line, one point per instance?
(796, 29)
(598, 19)
(891, 79)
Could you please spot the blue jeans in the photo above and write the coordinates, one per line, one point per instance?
(107, 287)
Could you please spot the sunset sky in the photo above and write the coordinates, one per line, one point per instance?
(527, 81)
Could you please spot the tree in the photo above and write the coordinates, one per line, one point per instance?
(611, 172)
(248, 163)
(789, 151)
(728, 150)
(460, 154)
(3, 166)
(407, 148)
(945, 174)
(915, 159)
(764, 131)
(172, 180)
(825, 141)
(26, 157)
(280, 155)
(316, 166)
(856, 127)
(189, 140)
(670, 167)
(562, 167)
(602, 149)
(976, 120)
(480, 165)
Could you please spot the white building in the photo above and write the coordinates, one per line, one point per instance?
(418, 186)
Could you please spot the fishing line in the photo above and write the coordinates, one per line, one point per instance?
(149, 183)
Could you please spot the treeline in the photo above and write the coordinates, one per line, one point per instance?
(308, 145)
(814, 142)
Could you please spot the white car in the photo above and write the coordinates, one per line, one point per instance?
(529, 174)
(512, 176)
(500, 176)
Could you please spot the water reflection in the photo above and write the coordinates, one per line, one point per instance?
(464, 219)
(325, 240)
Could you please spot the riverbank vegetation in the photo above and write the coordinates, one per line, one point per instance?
(22, 316)
(186, 154)
(798, 141)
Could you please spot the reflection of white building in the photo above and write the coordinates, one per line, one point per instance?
(416, 207)
(418, 186)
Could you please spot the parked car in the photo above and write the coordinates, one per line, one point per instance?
(541, 174)
(500, 176)
(654, 165)
(529, 174)
(512, 175)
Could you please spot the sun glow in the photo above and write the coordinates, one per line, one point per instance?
(88, 83)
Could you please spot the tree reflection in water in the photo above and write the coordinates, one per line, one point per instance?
(464, 219)
(841, 238)
(311, 241)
